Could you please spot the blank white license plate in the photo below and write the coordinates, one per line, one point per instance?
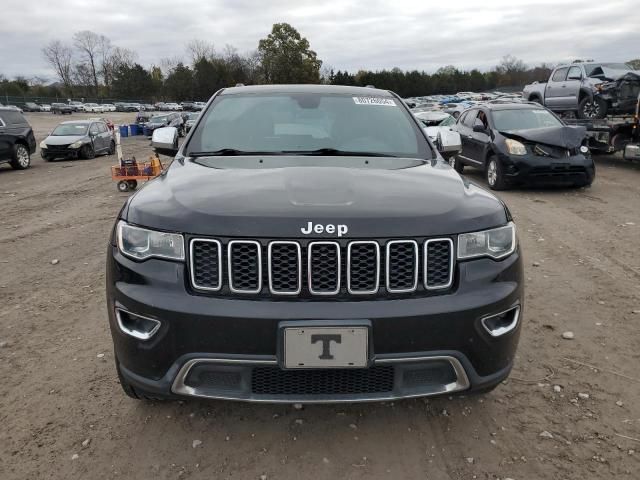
(326, 347)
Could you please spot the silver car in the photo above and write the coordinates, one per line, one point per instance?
(78, 139)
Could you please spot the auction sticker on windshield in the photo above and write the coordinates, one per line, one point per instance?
(374, 101)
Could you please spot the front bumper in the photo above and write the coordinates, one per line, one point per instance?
(228, 347)
(49, 153)
(534, 169)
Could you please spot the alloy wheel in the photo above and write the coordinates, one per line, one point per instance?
(492, 173)
(23, 157)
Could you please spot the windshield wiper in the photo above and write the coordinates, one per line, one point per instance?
(229, 152)
(338, 153)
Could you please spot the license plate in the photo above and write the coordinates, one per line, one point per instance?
(326, 347)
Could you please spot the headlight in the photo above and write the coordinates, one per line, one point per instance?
(515, 147)
(140, 243)
(43, 145)
(77, 144)
(496, 243)
(584, 149)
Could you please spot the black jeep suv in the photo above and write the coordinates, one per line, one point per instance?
(308, 244)
(17, 142)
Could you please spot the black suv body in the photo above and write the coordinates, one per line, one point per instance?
(308, 244)
(17, 141)
(523, 143)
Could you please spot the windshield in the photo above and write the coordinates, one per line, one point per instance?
(524, 119)
(307, 122)
(65, 129)
(159, 119)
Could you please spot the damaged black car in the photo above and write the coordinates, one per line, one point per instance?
(522, 143)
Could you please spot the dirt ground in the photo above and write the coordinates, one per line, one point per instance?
(570, 410)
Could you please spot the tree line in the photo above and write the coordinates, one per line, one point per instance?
(91, 66)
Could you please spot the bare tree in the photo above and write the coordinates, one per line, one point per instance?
(88, 43)
(104, 53)
(199, 49)
(59, 57)
(168, 64)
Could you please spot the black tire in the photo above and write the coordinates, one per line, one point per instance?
(87, 152)
(20, 158)
(133, 184)
(494, 175)
(123, 186)
(536, 99)
(112, 148)
(456, 115)
(592, 108)
(456, 164)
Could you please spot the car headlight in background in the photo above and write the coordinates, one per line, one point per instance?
(77, 144)
(584, 149)
(141, 244)
(43, 145)
(515, 147)
(495, 243)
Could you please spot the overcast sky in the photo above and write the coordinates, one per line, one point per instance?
(346, 34)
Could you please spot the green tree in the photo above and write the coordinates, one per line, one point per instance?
(179, 83)
(287, 58)
(132, 82)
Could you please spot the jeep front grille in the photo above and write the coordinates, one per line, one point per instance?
(316, 269)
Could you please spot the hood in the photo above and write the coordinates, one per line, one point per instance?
(426, 200)
(63, 139)
(565, 136)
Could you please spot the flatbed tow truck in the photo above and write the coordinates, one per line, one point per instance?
(614, 133)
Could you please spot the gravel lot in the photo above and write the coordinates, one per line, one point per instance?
(570, 409)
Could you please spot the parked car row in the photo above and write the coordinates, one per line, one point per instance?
(71, 139)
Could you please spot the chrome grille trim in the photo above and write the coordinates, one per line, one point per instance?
(425, 265)
(416, 267)
(230, 265)
(192, 264)
(310, 269)
(269, 267)
(363, 292)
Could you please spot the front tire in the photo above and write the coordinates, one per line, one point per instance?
(112, 148)
(456, 164)
(21, 158)
(87, 152)
(592, 108)
(494, 174)
(123, 186)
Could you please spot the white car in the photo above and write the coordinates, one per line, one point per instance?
(45, 107)
(437, 125)
(173, 107)
(93, 108)
(108, 107)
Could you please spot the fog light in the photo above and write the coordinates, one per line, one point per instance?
(136, 326)
(584, 149)
(502, 323)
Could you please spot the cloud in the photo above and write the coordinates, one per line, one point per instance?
(346, 34)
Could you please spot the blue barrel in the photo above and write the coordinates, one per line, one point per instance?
(124, 130)
(146, 131)
(134, 129)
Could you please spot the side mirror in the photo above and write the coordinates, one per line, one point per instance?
(448, 143)
(165, 140)
(479, 127)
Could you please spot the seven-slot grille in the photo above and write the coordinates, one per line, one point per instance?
(321, 268)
